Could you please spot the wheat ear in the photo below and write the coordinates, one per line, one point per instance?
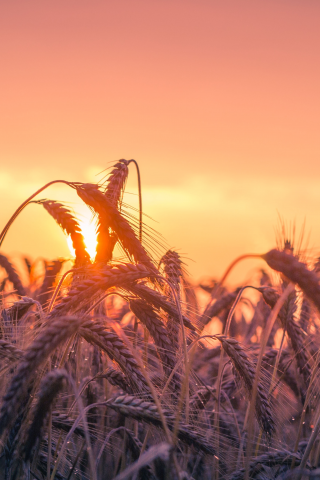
(116, 378)
(65, 219)
(142, 410)
(271, 459)
(20, 308)
(293, 329)
(149, 317)
(12, 275)
(246, 371)
(10, 351)
(99, 279)
(49, 338)
(158, 301)
(172, 272)
(216, 306)
(297, 272)
(49, 389)
(97, 334)
(109, 215)
(116, 182)
(52, 270)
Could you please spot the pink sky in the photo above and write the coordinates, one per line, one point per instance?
(218, 102)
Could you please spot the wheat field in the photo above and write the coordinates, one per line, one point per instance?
(113, 369)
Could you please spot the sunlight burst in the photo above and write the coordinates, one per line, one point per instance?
(89, 232)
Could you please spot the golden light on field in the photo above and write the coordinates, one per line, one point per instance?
(89, 232)
(70, 246)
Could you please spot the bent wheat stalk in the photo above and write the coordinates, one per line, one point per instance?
(25, 203)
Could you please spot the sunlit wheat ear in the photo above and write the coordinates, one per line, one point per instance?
(116, 182)
(246, 371)
(149, 317)
(97, 334)
(106, 239)
(117, 379)
(99, 279)
(65, 219)
(147, 411)
(12, 275)
(50, 387)
(293, 329)
(110, 216)
(49, 338)
(297, 272)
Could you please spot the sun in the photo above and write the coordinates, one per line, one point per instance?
(89, 232)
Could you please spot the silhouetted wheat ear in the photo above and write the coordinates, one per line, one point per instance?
(63, 422)
(246, 371)
(147, 411)
(293, 329)
(116, 182)
(158, 301)
(172, 269)
(271, 459)
(149, 317)
(199, 399)
(10, 351)
(97, 334)
(215, 307)
(69, 224)
(99, 279)
(49, 338)
(50, 387)
(110, 216)
(305, 314)
(114, 191)
(19, 308)
(173, 272)
(297, 272)
(117, 378)
(12, 275)
(52, 270)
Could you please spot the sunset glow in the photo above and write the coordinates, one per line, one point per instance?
(160, 185)
(217, 101)
(89, 232)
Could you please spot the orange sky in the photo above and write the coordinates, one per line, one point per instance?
(218, 102)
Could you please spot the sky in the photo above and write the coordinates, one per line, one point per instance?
(217, 101)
